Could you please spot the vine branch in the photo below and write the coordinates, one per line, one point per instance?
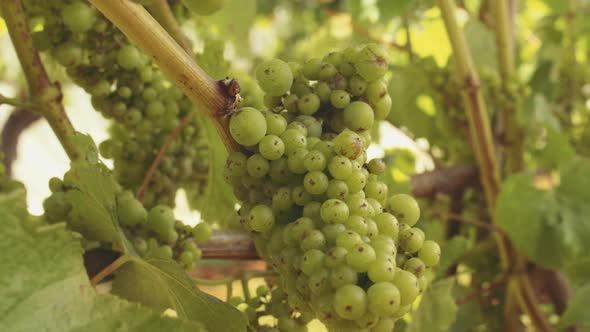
(43, 92)
(161, 11)
(508, 127)
(208, 95)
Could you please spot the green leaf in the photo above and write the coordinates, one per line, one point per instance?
(212, 58)
(219, 201)
(437, 310)
(482, 44)
(577, 310)
(452, 250)
(579, 271)
(91, 194)
(45, 287)
(548, 225)
(234, 21)
(163, 284)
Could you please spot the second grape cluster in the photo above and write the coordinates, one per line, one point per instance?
(346, 252)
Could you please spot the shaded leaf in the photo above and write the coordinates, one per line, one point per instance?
(551, 225)
(482, 44)
(163, 284)
(437, 310)
(577, 310)
(452, 249)
(44, 286)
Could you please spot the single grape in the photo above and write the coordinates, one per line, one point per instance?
(275, 123)
(387, 224)
(384, 325)
(411, 240)
(129, 57)
(335, 256)
(340, 99)
(274, 77)
(271, 147)
(343, 275)
(315, 182)
(337, 189)
(360, 257)
(405, 208)
(247, 126)
(358, 116)
(261, 218)
(381, 270)
(416, 266)
(78, 16)
(334, 211)
(350, 302)
(383, 299)
(308, 104)
(348, 144)
(257, 166)
(201, 232)
(312, 261)
(315, 161)
(130, 210)
(348, 239)
(358, 85)
(160, 219)
(294, 140)
(408, 286)
(371, 62)
(430, 253)
(311, 69)
(340, 167)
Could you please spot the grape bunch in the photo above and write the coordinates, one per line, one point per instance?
(345, 251)
(270, 304)
(129, 89)
(154, 233)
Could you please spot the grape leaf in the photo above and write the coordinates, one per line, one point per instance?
(549, 226)
(452, 250)
(234, 21)
(45, 287)
(482, 44)
(219, 204)
(579, 271)
(437, 310)
(163, 284)
(577, 310)
(91, 194)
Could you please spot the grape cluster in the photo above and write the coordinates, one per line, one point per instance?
(127, 87)
(154, 233)
(269, 304)
(346, 252)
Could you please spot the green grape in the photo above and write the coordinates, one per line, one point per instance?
(186, 258)
(308, 104)
(323, 91)
(327, 71)
(348, 144)
(359, 206)
(337, 189)
(290, 103)
(315, 161)
(312, 261)
(430, 253)
(340, 99)
(416, 266)
(358, 116)
(358, 85)
(331, 231)
(163, 252)
(313, 125)
(201, 232)
(257, 166)
(293, 140)
(383, 107)
(423, 283)
(356, 181)
(336, 255)
(130, 210)
(334, 211)
(411, 240)
(160, 219)
(282, 200)
(275, 123)
(274, 77)
(68, 54)
(271, 147)
(403, 309)
(55, 184)
(313, 240)
(129, 57)
(298, 126)
(311, 69)
(296, 161)
(247, 126)
(78, 16)
(384, 325)
(376, 166)
(371, 62)
(300, 196)
(381, 270)
(340, 167)
(360, 257)
(405, 208)
(348, 239)
(315, 182)
(342, 275)
(387, 224)
(318, 281)
(350, 302)
(203, 7)
(299, 227)
(383, 299)
(357, 224)
(261, 218)
(376, 190)
(236, 164)
(376, 91)
(408, 286)
(140, 245)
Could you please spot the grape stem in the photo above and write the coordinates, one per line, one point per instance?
(44, 93)
(208, 95)
(462, 219)
(483, 147)
(18, 103)
(160, 156)
(160, 10)
(109, 269)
